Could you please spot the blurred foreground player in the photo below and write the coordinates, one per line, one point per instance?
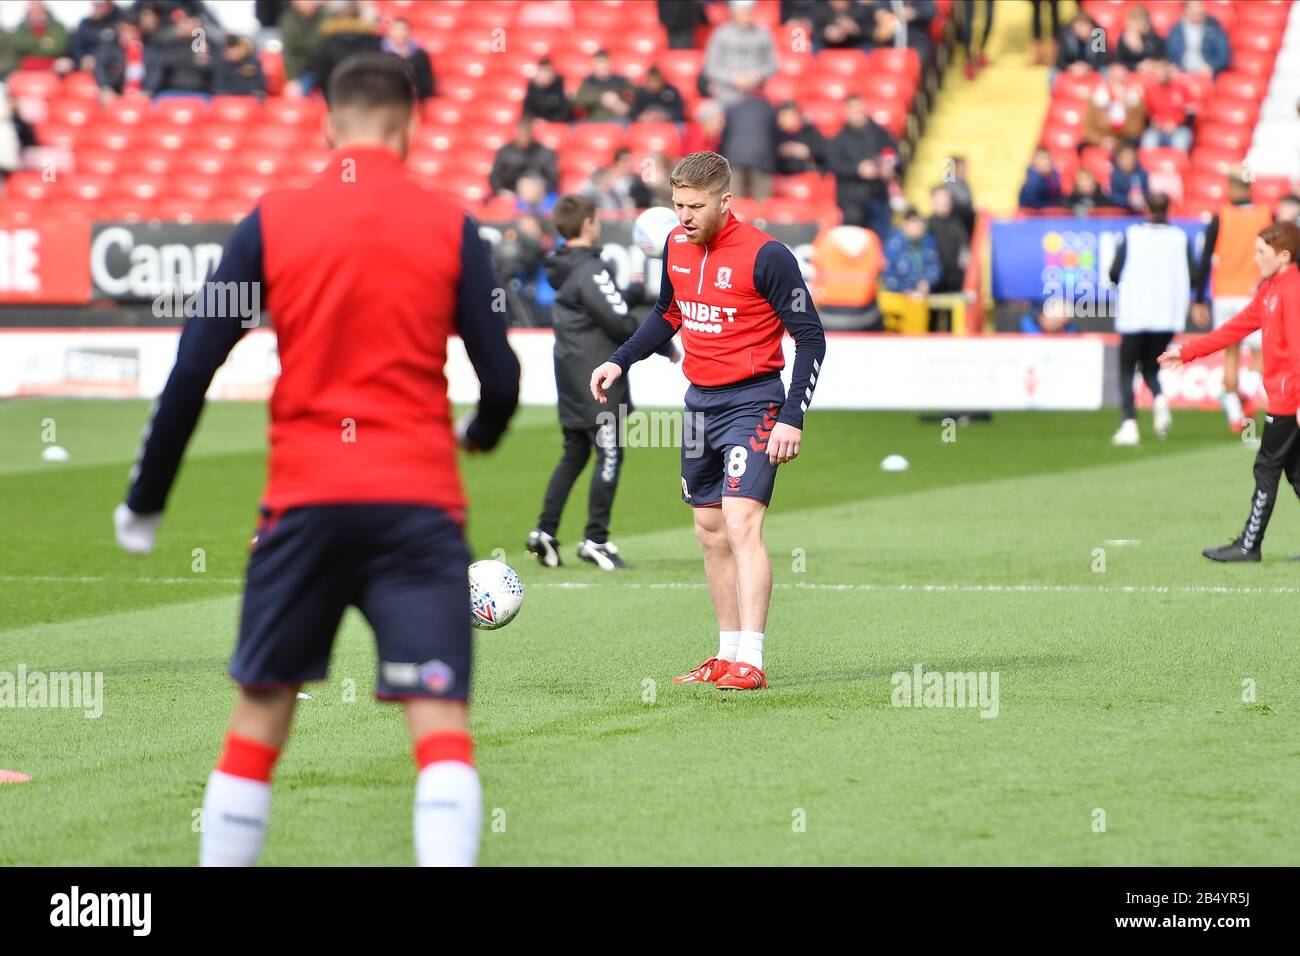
(1274, 309)
(366, 274)
(733, 291)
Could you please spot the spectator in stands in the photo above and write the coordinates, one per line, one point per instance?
(1042, 188)
(1167, 103)
(963, 201)
(975, 61)
(911, 258)
(533, 196)
(123, 61)
(545, 98)
(1116, 112)
(239, 73)
(864, 158)
(749, 143)
(1288, 209)
(1198, 43)
(657, 100)
(680, 18)
(1082, 46)
(950, 239)
(604, 96)
(841, 25)
(1087, 196)
(98, 27)
(1129, 187)
(621, 185)
(1054, 316)
(300, 40)
(11, 152)
(1044, 50)
(741, 55)
(908, 21)
(400, 43)
(705, 134)
(523, 155)
(348, 28)
(183, 65)
(1139, 44)
(41, 41)
(800, 146)
(655, 171)
(8, 58)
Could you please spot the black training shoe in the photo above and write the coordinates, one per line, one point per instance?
(1232, 551)
(604, 556)
(545, 547)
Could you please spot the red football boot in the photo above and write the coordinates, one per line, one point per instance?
(706, 673)
(742, 676)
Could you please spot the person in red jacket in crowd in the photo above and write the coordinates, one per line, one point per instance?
(1274, 309)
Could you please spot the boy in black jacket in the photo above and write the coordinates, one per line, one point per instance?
(591, 320)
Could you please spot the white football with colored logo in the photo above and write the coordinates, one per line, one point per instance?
(650, 232)
(495, 594)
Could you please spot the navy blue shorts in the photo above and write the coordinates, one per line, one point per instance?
(724, 447)
(404, 566)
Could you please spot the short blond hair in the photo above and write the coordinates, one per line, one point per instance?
(702, 170)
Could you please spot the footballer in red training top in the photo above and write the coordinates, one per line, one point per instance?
(733, 291)
(366, 275)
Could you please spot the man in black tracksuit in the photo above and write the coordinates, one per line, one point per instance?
(591, 320)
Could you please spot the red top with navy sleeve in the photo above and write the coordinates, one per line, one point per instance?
(733, 299)
(365, 275)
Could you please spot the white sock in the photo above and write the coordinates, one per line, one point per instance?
(1232, 406)
(728, 645)
(751, 648)
(448, 813)
(236, 811)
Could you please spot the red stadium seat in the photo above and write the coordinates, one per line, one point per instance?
(1261, 42)
(137, 187)
(888, 86)
(34, 84)
(790, 63)
(1269, 189)
(584, 161)
(272, 63)
(73, 112)
(1228, 111)
(585, 42)
(682, 67)
(1068, 113)
(1241, 86)
(311, 162)
(1253, 62)
(225, 138)
(171, 138)
(832, 86)
(235, 109)
(1059, 136)
(427, 164)
(469, 162)
(269, 163)
(149, 162)
(249, 188)
(81, 85)
(1068, 86)
(128, 111)
(551, 135)
(469, 188)
(443, 111)
(300, 111)
(826, 115)
(1263, 17)
(893, 60)
(1225, 11)
(58, 136)
(1207, 159)
(491, 136)
(182, 209)
(31, 186)
(781, 87)
(805, 187)
(1066, 163)
(1097, 161)
(846, 63)
(1164, 16)
(649, 138)
(1205, 186)
(890, 115)
(599, 137)
(125, 209)
(112, 137)
(282, 138)
(97, 162)
(194, 188)
(87, 186)
(497, 111)
(180, 110)
(648, 43)
(1223, 136)
(204, 162)
(462, 88)
(465, 63)
(777, 209)
(1164, 158)
(745, 209)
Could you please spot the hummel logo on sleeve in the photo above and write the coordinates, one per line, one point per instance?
(610, 291)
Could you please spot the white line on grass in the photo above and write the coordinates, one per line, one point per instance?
(695, 586)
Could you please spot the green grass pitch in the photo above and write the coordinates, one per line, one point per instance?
(1122, 691)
